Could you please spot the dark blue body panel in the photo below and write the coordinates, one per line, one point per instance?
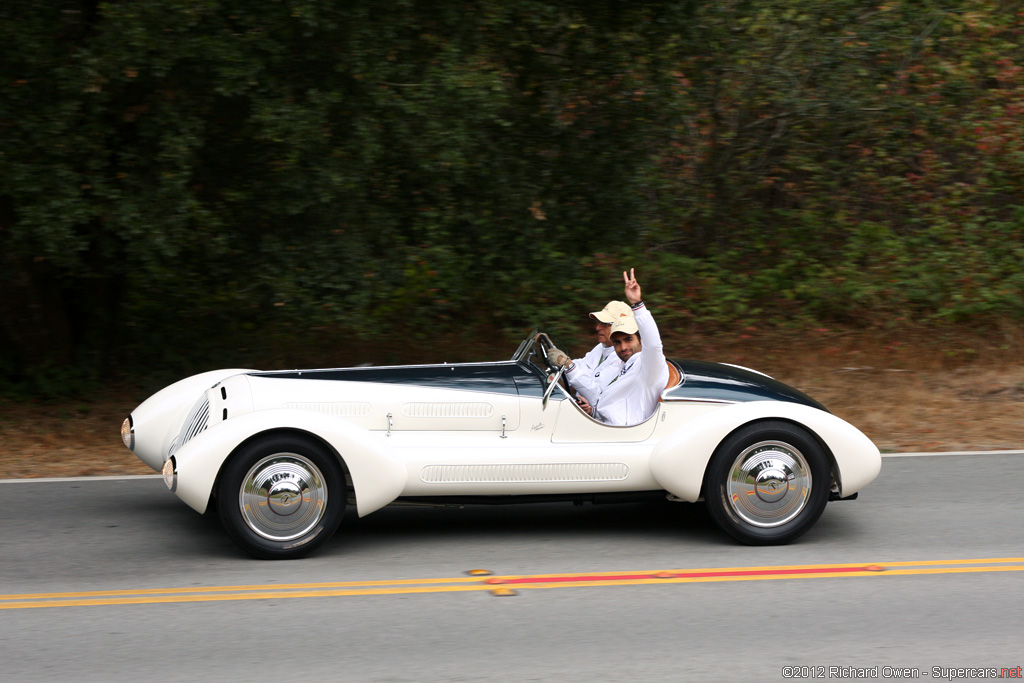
(701, 380)
(717, 382)
(500, 378)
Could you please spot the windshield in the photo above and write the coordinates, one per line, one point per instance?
(534, 349)
(532, 353)
(525, 346)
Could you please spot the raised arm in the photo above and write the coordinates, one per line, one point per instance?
(655, 370)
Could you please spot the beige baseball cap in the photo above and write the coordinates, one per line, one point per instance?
(613, 311)
(625, 324)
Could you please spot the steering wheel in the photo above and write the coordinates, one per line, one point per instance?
(545, 344)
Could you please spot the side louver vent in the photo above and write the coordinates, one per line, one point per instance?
(524, 474)
(195, 423)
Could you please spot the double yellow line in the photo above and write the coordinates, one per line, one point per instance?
(482, 580)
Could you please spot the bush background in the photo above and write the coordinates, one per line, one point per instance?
(195, 183)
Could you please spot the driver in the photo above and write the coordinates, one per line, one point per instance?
(631, 396)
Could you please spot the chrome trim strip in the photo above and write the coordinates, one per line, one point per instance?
(685, 399)
(744, 367)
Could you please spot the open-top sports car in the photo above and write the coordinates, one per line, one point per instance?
(280, 455)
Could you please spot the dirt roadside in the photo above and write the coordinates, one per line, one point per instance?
(908, 391)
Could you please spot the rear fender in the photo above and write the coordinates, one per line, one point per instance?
(679, 461)
(377, 475)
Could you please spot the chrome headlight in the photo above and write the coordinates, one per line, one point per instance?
(128, 433)
(170, 473)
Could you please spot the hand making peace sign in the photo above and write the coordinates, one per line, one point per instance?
(632, 287)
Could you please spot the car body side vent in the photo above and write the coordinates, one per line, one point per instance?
(197, 421)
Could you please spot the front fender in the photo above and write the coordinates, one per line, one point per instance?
(679, 461)
(156, 420)
(378, 476)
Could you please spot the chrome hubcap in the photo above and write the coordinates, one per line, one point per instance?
(769, 483)
(283, 496)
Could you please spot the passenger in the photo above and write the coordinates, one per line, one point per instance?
(601, 363)
(631, 396)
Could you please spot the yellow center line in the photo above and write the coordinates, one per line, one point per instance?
(221, 589)
(519, 582)
(923, 563)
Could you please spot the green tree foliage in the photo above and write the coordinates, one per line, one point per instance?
(176, 175)
(852, 160)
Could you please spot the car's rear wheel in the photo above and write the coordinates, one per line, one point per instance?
(281, 496)
(767, 483)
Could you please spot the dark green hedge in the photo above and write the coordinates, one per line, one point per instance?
(179, 175)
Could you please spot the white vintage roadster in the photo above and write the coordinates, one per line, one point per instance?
(280, 455)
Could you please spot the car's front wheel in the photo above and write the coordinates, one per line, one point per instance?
(767, 483)
(281, 496)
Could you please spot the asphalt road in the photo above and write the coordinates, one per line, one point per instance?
(118, 580)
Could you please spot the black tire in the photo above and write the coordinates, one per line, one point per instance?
(767, 483)
(281, 496)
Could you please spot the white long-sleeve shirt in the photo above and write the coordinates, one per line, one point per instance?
(632, 396)
(596, 370)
